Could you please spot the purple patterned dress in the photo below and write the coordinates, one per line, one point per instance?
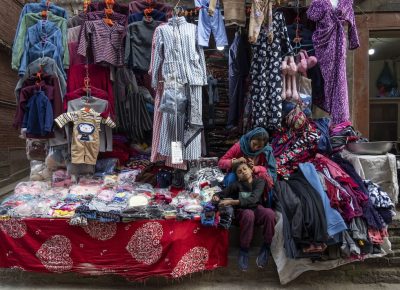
(330, 48)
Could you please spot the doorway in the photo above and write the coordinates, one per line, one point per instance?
(371, 28)
(384, 81)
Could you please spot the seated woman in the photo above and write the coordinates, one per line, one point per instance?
(252, 148)
(245, 195)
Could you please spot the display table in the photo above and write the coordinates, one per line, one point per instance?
(136, 250)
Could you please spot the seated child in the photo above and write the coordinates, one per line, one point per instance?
(245, 195)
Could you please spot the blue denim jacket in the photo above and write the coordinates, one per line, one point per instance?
(42, 39)
(38, 117)
(38, 7)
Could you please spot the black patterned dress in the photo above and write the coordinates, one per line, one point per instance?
(266, 75)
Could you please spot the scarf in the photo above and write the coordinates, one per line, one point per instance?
(267, 150)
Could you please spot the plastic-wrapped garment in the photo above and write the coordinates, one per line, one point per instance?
(127, 177)
(39, 171)
(90, 181)
(143, 188)
(137, 201)
(61, 178)
(105, 166)
(59, 192)
(106, 195)
(23, 210)
(34, 188)
(56, 157)
(110, 181)
(16, 200)
(42, 208)
(84, 191)
(213, 175)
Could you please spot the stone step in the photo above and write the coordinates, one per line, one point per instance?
(395, 242)
(394, 253)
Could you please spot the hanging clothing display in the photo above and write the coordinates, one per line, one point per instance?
(138, 44)
(234, 11)
(208, 24)
(43, 39)
(29, 20)
(261, 12)
(330, 48)
(266, 75)
(133, 117)
(174, 44)
(155, 15)
(238, 71)
(48, 66)
(104, 41)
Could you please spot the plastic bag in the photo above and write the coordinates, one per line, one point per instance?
(144, 188)
(110, 180)
(56, 157)
(174, 98)
(105, 166)
(39, 171)
(127, 177)
(61, 178)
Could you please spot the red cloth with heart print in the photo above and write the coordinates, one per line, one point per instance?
(136, 250)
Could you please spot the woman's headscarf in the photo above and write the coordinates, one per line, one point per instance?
(245, 142)
(267, 150)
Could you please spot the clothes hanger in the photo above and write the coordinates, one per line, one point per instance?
(147, 13)
(38, 77)
(44, 11)
(88, 96)
(108, 12)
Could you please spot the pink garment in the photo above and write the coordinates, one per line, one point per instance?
(335, 129)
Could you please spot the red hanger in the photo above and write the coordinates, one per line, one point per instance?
(147, 13)
(108, 11)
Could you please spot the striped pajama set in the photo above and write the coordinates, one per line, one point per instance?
(176, 54)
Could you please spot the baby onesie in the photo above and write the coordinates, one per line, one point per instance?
(85, 136)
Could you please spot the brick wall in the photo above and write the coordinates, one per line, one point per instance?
(8, 135)
(9, 15)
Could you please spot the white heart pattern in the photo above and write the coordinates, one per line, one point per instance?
(15, 228)
(54, 254)
(144, 245)
(100, 231)
(193, 261)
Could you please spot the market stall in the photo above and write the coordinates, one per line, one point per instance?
(120, 105)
